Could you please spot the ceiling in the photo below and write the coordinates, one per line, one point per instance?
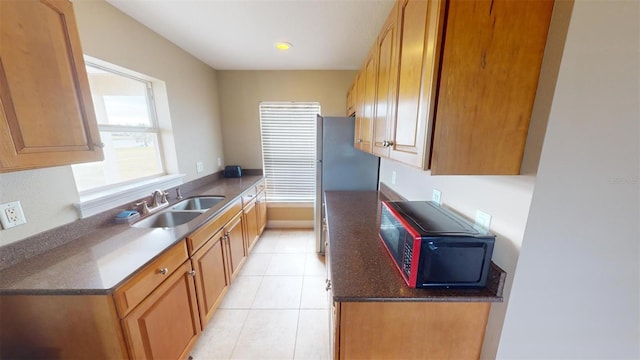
(241, 34)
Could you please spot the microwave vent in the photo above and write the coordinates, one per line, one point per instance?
(430, 219)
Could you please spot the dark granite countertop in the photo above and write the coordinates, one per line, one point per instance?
(361, 268)
(98, 261)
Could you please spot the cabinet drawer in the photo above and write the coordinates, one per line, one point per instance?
(260, 187)
(200, 236)
(249, 196)
(142, 284)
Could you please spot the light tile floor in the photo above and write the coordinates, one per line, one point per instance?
(276, 308)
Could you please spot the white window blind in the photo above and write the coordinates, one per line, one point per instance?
(289, 150)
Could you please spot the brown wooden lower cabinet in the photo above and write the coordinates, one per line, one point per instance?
(158, 313)
(261, 204)
(251, 220)
(166, 324)
(235, 237)
(409, 330)
(212, 278)
(60, 327)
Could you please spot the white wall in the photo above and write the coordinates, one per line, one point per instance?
(576, 288)
(106, 33)
(192, 86)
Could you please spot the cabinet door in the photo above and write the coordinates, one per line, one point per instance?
(489, 76)
(166, 324)
(235, 237)
(46, 113)
(211, 278)
(443, 330)
(359, 107)
(333, 306)
(351, 100)
(368, 112)
(387, 72)
(251, 223)
(261, 203)
(419, 39)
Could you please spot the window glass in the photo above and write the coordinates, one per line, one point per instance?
(126, 119)
(131, 110)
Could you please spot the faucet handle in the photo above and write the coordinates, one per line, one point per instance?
(145, 206)
(164, 197)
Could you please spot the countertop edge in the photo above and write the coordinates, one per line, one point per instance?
(491, 299)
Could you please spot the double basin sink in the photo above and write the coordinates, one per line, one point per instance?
(180, 213)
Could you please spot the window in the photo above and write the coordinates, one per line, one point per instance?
(289, 150)
(128, 127)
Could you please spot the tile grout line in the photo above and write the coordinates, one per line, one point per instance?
(244, 323)
(235, 344)
(304, 270)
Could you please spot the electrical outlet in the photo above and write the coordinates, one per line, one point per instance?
(219, 162)
(200, 166)
(437, 196)
(483, 221)
(11, 215)
(393, 177)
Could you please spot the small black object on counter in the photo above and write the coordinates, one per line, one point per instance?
(232, 171)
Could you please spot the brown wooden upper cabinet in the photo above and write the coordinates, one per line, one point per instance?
(387, 57)
(46, 113)
(366, 96)
(455, 92)
(351, 100)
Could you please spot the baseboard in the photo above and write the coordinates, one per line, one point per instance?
(290, 224)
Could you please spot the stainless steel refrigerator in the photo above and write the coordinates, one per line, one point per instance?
(339, 166)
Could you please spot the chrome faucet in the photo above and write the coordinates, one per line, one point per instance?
(155, 203)
(154, 198)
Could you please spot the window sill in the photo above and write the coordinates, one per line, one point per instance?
(96, 202)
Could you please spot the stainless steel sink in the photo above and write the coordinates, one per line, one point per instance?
(198, 203)
(167, 219)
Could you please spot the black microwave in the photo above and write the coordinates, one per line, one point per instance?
(433, 247)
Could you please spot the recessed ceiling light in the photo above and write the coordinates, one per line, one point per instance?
(283, 45)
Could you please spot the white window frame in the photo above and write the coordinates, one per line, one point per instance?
(94, 201)
(289, 151)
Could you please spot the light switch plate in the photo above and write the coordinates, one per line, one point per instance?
(483, 221)
(199, 166)
(437, 196)
(11, 215)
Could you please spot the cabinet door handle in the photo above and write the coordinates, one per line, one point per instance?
(389, 143)
(192, 273)
(328, 287)
(227, 234)
(385, 143)
(164, 271)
